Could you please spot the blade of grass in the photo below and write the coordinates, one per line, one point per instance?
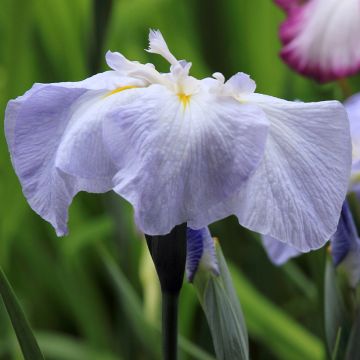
(26, 338)
(283, 336)
(148, 334)
(60, 347)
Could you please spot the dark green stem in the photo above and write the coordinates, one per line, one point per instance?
(169, 255)
(169, 325)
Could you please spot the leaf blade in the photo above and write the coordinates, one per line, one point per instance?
(223, 311)
(24, 334)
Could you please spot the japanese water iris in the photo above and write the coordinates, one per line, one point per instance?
(321, 38)
(182, 150)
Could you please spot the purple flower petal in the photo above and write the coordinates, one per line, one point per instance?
(345, 246)
(55, 140)
(345, 236)
(178, 156)
(296, 193)
(200, 252)
(352, 106)
(279, 253)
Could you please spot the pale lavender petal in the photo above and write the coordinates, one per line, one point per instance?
(278, 252)
(297, 192)
(55, 142)
(321, 38)
(352, 106)
(200, 252)
(178, 157)
(239, 84)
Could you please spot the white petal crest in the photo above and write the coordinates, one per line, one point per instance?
(157, 45)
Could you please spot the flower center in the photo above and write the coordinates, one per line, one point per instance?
(184, 99)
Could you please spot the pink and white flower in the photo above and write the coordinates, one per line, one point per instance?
(321, 38)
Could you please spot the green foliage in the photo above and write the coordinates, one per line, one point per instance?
(85, 303)
(223, 312)
(27, 341)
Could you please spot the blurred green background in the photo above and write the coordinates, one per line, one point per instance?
(93, 294)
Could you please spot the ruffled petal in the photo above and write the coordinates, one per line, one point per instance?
(55, 140)
(200, 252)
(178, 155)
(296, 193)
(298, 190)
(278, 252)
(321, 38)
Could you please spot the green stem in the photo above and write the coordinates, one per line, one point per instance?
(170, 328)
(169, 255)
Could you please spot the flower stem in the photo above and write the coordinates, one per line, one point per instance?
(169, 325)
(169, 255)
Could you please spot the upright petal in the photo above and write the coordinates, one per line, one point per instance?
(278, 252)
(321, 38)
(178, 155)
(157, 45)
(240, 84)
(200, 252)
(55, 140)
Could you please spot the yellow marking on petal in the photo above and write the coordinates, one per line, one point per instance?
(185, 99)
(122, 88)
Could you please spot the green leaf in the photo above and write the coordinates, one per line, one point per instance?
(61, 347)
(353, 346)
(26, 338)
(146, 332)
(337, 324)
(223, 312)
(269, 324)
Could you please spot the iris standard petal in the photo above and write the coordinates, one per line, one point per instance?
(200, 252)
(55, 141)
(321, 38)
(178, 155)
(278, 252)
